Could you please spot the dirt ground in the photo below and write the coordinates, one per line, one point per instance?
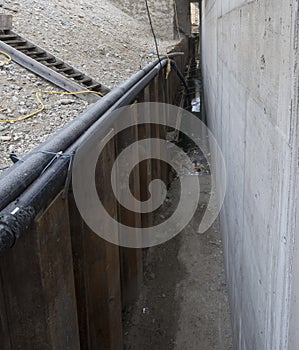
(183, 303)
(96, 37)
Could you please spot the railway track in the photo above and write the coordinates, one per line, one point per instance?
(43, 63)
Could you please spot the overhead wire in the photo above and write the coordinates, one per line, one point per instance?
(177, 19)
(153, 31)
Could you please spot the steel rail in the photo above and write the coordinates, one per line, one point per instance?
(48, 66)
(47, 73)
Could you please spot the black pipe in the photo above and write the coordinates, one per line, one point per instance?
(18, 177)
(16, 218)
(179, 74)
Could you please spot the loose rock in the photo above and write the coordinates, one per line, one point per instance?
(95, 37)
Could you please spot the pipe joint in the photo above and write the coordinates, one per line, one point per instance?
(12, 225)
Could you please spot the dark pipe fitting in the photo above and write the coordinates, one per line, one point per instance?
(7, 238)
(179, 74)
(13, 224)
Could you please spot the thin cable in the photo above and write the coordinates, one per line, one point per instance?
(177, 19)
(42, 106)
(39, 93)
(8, 58)
(153, 32)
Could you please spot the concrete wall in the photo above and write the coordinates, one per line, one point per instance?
(250, 56)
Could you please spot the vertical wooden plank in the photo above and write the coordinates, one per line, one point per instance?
(97, 270)
(146, 167)
(4, 331)
(173, 85)
(38, 285)
(105, 318)
(151, 97)
(78, 237)
(57, 275)
(104, 299)
(131, 259)
(162, 95)
(167, 89)
(156, 133)
(157, 129)
(131, 274)
(162, 88)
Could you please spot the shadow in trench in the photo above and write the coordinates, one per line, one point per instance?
(183, 302)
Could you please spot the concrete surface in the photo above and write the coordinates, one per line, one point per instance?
(183, 302)
(204, 318)
(250, 70)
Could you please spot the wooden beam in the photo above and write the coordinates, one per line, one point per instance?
(38, 285)
(131, 259)
(97, 270)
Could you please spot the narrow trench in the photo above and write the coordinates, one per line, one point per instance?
(183, 303)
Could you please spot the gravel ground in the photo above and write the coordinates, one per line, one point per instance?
(17, 88)
(94, 36)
